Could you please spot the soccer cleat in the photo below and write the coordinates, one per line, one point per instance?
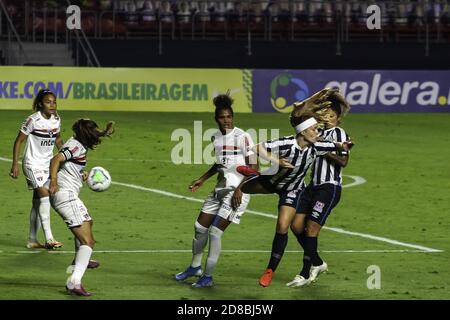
(189, 272)
(247, 171)
(78, 291)
(203, 281)
(299, 281)
(93, 264)
(317, 270)
(52, 244)
(266, 278)
(35, 245)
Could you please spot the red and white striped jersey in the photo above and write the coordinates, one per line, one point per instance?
(231, 150)
(41, 134)
(70, 174)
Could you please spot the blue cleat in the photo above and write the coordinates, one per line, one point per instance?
(189, 272)
(204, 281)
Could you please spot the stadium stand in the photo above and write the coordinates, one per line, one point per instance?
(248, 24)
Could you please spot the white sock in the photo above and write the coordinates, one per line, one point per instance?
(44, 214)
(198, 244)
(35, 222)
(81, 263)
(215, 246)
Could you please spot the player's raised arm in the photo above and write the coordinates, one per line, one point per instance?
(21, 137)
(55, 163)
(266, 155)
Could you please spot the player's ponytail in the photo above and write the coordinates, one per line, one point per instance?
(88, 133)
(223, 102)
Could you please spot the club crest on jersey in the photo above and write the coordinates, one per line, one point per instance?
(50, 133)
(318, 206)
(292, 194)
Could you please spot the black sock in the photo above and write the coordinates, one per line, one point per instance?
(310, 257)
(278, 245)
(306, 266)
(311, 243)
(301, 238)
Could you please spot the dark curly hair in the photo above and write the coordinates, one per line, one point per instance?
(88, 133)
(223, 102)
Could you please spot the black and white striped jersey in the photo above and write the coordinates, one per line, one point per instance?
(283, 179)
(326, 171)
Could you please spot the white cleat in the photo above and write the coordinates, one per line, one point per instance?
(299, 281)
(317, 270)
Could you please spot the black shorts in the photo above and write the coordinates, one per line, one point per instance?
(317, 202)
(286, 198)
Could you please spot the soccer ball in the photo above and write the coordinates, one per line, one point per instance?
(98, 179)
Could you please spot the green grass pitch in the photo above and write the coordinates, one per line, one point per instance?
(146, 236)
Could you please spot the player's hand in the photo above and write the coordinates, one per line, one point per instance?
(236, 199)
(195, 185)
(85, 175)
(347, 145)
(283, 163)
(14, 173)
(53, 187)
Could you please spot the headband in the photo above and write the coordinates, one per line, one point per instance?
(305, 125)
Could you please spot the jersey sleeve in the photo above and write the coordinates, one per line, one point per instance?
(27, 126)
(70, 151)
(339, 135)
(323, 147)
(247, 145)
(278, 145)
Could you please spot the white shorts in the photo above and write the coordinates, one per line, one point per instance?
(36, 176)
(219, 203)
(70, 208)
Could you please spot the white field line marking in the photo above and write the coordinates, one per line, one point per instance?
(225, 251)
(357, 181)
(338, 230)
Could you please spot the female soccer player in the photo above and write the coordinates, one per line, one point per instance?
(299, 152)
(42, 132)
(232, 149)
(322, 194)
(66, 178)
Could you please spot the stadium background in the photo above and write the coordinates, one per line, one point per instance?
(397, 220)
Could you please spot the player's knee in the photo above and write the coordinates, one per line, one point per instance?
(215, 232)
(199, 228)
(313, 230)
(282, 227)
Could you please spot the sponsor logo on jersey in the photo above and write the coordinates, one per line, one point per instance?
(47, 143)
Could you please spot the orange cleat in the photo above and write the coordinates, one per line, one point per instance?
(53, 244)
(266, 278)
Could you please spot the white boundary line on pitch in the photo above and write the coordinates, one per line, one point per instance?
(224, 251)
(338, 230)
